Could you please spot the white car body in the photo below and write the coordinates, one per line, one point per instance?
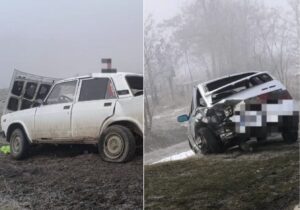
(232, 109)
(79, 121)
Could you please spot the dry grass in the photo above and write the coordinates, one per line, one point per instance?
(216, 183)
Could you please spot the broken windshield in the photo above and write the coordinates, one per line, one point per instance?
(239, 87)
(227, 80)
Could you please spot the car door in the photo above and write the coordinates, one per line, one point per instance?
(53, 118)
(95, 103)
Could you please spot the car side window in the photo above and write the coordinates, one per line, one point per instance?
(62, 93)
(96, 89)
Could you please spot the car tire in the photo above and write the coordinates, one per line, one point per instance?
(209, 142)
(192, 148)
(19, 145)
(290, 137)
(290, 128)
(117, 144)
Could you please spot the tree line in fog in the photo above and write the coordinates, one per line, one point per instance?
(212, 38)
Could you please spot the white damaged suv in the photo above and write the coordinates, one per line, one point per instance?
(105, 109)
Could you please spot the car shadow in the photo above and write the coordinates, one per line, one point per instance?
(66, 150)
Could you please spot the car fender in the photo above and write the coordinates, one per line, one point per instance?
(23, 125)
(120, 120)
(126, 110)
(25, 118)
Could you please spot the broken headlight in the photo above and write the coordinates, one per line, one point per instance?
(228, 111)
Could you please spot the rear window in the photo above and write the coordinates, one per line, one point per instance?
(96, 89)
(135, 84)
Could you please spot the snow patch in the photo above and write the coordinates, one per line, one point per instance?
(179, 156)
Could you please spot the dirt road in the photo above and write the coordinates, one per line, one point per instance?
(69, 177)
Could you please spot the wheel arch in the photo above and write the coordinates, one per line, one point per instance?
(14, 126)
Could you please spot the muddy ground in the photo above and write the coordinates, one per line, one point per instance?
(69, 177)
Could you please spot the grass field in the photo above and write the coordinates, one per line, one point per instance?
(249, 181)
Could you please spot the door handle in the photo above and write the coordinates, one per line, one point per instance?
(107, 104)
(67, 107)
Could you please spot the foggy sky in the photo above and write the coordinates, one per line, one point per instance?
(69, 37)
(166, 9)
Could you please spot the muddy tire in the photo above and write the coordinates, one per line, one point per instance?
(117, 144)
(209, 142)
(290, 137)
(19, 145)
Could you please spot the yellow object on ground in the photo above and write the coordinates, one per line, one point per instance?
(5, 149)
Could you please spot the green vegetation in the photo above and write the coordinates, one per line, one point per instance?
(218, 183)
(5, 149)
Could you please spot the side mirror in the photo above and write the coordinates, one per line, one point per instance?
(183, 118)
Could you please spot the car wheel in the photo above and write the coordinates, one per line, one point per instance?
(209, 142)
(117, 144)
(290, 137)
(193, 149)
(18, 144)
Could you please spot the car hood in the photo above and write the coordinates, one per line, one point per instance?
(25, 89)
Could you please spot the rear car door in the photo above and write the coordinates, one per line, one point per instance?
(53, 118)
(95, 103)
